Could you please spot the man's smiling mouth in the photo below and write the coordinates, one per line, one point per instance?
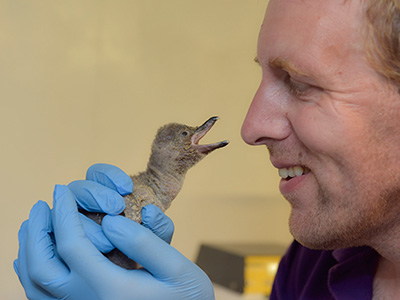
(296, 171)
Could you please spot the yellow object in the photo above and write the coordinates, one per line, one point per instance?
(243, 267)
(259, 274)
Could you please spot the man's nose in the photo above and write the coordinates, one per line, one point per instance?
(266, 119)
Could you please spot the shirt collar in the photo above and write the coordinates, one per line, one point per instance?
(342, 255)
(352, 277)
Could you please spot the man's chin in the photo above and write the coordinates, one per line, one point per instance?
(314, 236)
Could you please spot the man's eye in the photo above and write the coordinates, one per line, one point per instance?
(296, 88)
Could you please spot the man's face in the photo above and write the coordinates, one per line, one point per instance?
(329, 120)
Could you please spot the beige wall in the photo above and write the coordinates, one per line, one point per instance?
(91, 81)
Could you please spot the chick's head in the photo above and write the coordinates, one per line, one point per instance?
(176, 146)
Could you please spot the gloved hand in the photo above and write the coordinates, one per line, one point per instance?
(45, 275)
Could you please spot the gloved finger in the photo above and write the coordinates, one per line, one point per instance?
(16, 269)
(160, 224)
(20, 262)
(94, 197)
(32, 290)
(72, 244)
(45, 267)
(111, 177)
(21, 249)
(95, 234)
(140, 244)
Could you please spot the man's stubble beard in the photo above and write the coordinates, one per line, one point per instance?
(340, 224)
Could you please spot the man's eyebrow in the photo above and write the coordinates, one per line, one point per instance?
(285, 65)
(282, 64)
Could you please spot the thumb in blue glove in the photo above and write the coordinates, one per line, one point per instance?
(101, 192)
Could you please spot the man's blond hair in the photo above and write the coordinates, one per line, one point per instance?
(383, 37)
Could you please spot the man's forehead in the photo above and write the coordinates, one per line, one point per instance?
(315, 9)
(318, 1)
(297, 37)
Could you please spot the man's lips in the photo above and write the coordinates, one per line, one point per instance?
(291, 172)
(289, 168)
(293, 178)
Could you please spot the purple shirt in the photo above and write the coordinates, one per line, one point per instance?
(319, 274)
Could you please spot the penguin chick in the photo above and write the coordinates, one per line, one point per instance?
(174, 151)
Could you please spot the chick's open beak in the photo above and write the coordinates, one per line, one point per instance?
(202, 131)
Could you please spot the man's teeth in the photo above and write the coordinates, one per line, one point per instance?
(293, 172)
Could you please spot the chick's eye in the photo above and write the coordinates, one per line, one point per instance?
(184, 133)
